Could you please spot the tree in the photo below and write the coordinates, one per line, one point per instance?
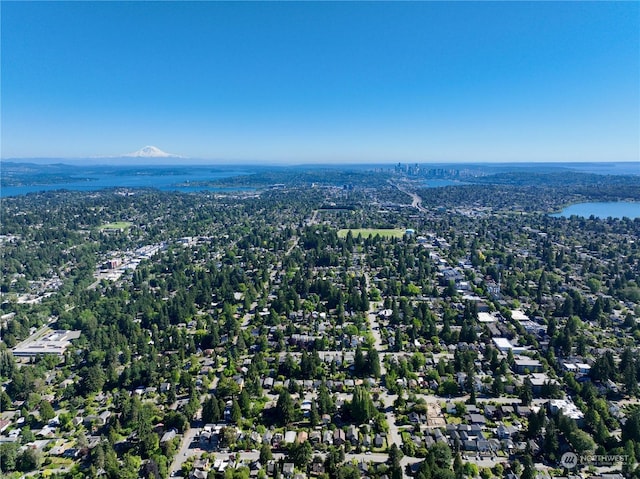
(314, 417)
(8, 456)
(5, 401)
(630, 461)
(300, 453)
(27, 435)
(359, 362)
(156, 467)
(458, 466)
(497, 387)
(362, 408)
(236, 413)
(211, 410)
(325, 401)
(536, 422)
(631, 428)
(395, 455)
(97, 457)
(448, 388)
(265, 453)
(348, 471)
(604, 367)
(93, 379)
(551, 441)
(245, 403)
(529, 471)
(333, 460)
(29, 460)
(581, 441)
(227, 387)
(284, 408)
(130, 468)
(398, 340)
(373, 363)
(526, 393)
(148, 440)
(175, 419)
(441, 454)
(46, 412)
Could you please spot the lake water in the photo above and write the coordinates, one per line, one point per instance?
(435, 183)
(618, 209)
(98, 178)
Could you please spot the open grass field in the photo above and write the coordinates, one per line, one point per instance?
(365, 232)
(116, 225)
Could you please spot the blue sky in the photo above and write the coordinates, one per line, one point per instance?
(323, 82)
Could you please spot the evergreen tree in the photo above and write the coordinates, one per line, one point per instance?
(236, 412)
(373, 363)
(211, 410)
(314, 417)
(325, 401)
(551, 441)
(526, 393)
(245, 403)
(284, 408)
(362, 408)
(395, 455)
(528, 471)
(333, 460)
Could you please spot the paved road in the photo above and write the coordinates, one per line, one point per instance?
(251, 456)
(416, 201)
(36, 336)
(185, 450)
(387, 400)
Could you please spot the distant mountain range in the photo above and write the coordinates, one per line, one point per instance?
(147, 156)
(151, 152)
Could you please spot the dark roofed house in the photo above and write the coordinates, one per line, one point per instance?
(470, 445)
(505, 432)
(506, 409)
(317, 468)
(477, 419)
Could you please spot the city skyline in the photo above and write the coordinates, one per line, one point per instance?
(323, 82)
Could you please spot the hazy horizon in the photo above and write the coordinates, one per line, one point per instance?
(322, 83)
(222, 162)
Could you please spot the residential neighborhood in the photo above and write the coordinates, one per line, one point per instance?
(274, 335)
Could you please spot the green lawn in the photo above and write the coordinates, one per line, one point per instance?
(365, 232)
(116, 225)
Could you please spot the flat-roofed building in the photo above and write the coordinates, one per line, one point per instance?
(484, 317)
(522, 364)
(56, 342)
(567, 408)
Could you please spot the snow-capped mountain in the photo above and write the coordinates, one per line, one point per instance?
(150, 152)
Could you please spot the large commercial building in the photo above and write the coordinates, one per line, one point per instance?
(56, 342)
